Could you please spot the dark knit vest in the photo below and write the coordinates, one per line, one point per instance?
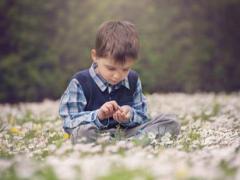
(96, 98)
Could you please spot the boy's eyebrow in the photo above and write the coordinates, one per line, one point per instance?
(109, 66)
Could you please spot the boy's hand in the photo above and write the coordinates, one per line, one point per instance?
(123, 114)
(107, 110)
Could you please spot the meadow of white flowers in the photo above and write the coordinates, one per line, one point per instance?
(34, 146)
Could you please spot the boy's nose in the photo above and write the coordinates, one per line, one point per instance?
(117, 76)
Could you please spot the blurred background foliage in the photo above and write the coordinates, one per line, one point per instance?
(186, 46)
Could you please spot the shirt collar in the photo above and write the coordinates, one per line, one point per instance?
(102, 83)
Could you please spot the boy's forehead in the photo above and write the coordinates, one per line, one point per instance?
(111, 62)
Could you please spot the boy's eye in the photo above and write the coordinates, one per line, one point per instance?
(125, 70)
(111, 69)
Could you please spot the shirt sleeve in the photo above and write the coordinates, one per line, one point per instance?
(139, 108)
(72, 105)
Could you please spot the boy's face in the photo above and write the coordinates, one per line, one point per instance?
(111, 71)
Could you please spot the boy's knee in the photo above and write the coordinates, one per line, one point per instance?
(169, 122)
(84, 133)
(174, 127)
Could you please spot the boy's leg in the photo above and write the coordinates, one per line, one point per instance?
(84, 133)
(160, 125)
(164, 123)
(88, 133)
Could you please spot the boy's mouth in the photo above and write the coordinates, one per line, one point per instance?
(114, 82)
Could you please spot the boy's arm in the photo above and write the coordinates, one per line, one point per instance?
(139, 108)
(72, 105)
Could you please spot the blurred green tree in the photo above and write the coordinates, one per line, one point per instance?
(186, 46)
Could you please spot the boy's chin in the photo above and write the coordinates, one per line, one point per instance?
(113, 83)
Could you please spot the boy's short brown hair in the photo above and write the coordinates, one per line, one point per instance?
(117, 40)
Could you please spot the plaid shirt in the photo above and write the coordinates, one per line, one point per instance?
(73, 102)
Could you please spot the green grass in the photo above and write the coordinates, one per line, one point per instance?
(227, 169)
(187, 140)
(120, 173)
(42, 137)
(10, 174)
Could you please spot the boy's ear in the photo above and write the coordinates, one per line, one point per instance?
(94, 55)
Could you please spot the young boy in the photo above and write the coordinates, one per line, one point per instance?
(109, 93)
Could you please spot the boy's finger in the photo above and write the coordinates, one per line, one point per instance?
(123, 113)
(121, 110)
(125, 110)
(115, 117)
(109, 107)
(105, 110)
(118, 117)
(115, 105)
(102, 114)
(122, 116)
(128, 115)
